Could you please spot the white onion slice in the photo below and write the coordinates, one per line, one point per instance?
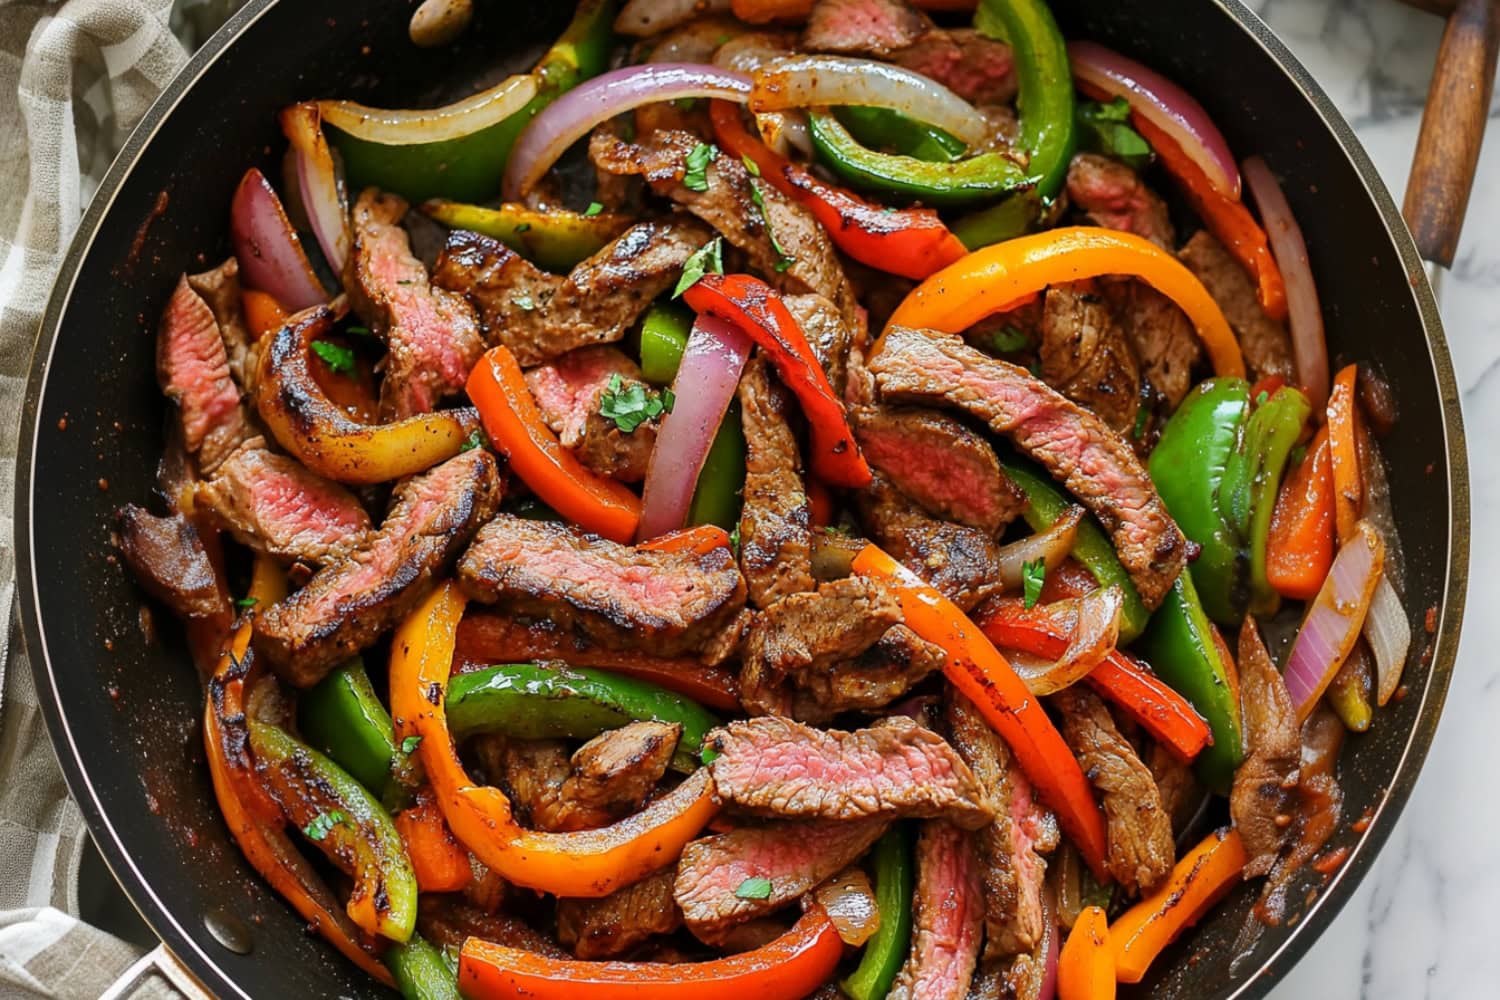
(1389, 635)
(1096, 631)
(318, 184)
(1051, 546)
(416, 126)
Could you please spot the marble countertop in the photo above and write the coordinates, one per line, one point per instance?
(1374, 58)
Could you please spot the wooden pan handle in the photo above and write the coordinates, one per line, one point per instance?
(1447, 157)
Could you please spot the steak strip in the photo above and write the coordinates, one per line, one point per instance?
(1261, 798)
(775, 537)
(947, 917)
(192, 367)
(620, 922)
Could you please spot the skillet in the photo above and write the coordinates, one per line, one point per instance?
(123, 710)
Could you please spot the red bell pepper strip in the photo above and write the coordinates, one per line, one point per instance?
(515, 427)
(789, 968)
(585, 863)
(754, 307)
(1299, 548)
(1164, 713)
(700, 539)
(911, 242)
(981, 674)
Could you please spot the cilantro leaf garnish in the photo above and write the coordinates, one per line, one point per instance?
(323, 823)
(784, 260)
(632, 405)
(594, 209)
(339, 359)
(476, 439)
(707, 259)
(696, 178)
(754, 887)
(410, 744)
(1033, 576)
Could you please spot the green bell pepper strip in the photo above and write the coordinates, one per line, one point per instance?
(1045, 504)
(470, 167)
(421, 971)
(534, 702)
(342, 717)
(895, 880)
(664, 334)
(887, 129)
(554, 240)
(337, 814)
(1179, 644)
(1015, 216)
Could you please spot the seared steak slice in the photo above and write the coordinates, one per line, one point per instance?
(621, 597)
(168, 559)
(1139, 832)
(896, 768)
(812, 630)
(899, 661)
(941, 464)
(352, 600)
(793, 857)
(447, 923)
(961, 562)
(1264, 783)
(616, 771)
(1181, 795)
(1113, 196)
(192, 368)
(220, 289)
(1265, 342)
(624, 920)
(273, 504)
(1092, 461)
(1086, 357)
(1163, 338)
(947, 917)
(431, 335)
(775, 539)
(1010, 868)
(568, 392)
(980, 70)
(828, 334)
(539, 315)
(863, 27)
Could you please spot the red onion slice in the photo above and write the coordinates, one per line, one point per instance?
(807, 81)
(715, 355)
(1167, 105)
(1334, 619)
(268, 248)
(1305, 312)
(1389, 635)
(318, 182)
(576, 113)
(1052, 947)
(640, 18)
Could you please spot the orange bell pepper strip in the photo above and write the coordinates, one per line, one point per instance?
(977, 669)
(1227, 218)
(754, 307)
(487, 637)
(1198, 880)
(996, 278)
(1343, 439)
(789, 968)
(1299, 548)
(263, 314)
(1086, 967)
(438, 860)
(1165, 714)
(911, 242)
(516, 430)
(585, 863)
(254, 819)
(701, 539)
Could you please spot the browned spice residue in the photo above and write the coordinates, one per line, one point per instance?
(157, 211)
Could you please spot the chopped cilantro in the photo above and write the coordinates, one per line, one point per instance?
(754, 887)
(1261, 397)
(594, 209)
(708, 755)
(632, 405)
(339, 359)
(359, 331)
(707, 259)
(750, 165)
(247, 602)
(476, 439)
(784, 260)
(1105, 129)
(1033, 575)
(323, 823)
(668, 400)
(523, 302)
(734, 543)
(523, 227)
(410, 744)
(1142, 418)
(696, 178)
(1008, 340)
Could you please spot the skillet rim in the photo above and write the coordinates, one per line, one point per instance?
(1257, 983)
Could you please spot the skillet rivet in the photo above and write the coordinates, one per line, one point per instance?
(229, 930)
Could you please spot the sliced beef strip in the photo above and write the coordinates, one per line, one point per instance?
(947, 917)
(775, 533)
(1265, 782)
(597, 929)
(941, 464)
(431, 334)
(793, 857)
(447, 923)
(863, 27)
(777, 767)
(1141, 851)
(828, 334)
(621, 597)
(539, 316)
(616, 771)
(897, 662)
(1092, 461)
(1010, 868)
(192, 367)
(961, 562)
(1086, 356)
(351, 601)
(531, 773)
(980, 70)
(1113, 196)
(1163, 338)
(1181, 794)
(167, 556)
(275, 505)
(1265, 342)
(220, 289)
(568, 392)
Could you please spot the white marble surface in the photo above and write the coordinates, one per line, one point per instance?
(1422, 923)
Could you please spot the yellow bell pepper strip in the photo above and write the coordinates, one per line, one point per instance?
(1086, 968)
(516, 430)
(586, 863)
(789, 968)
(554, 239)
(1002, 276)
(1197, 881)
(977, 669)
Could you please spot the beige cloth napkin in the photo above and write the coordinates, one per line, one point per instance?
(75, 78)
